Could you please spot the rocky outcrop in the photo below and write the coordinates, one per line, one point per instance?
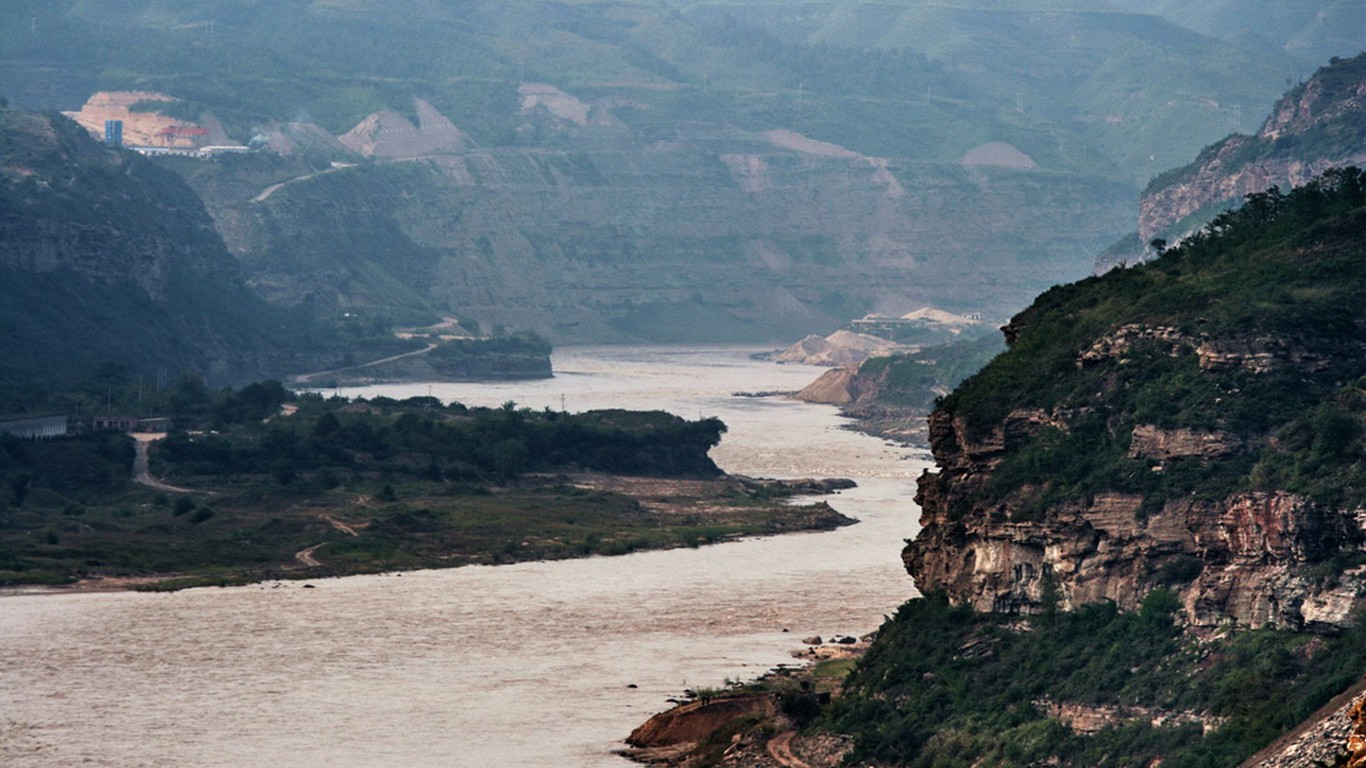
(1259, 353)
(834, 387)
(695, 721)
(391, 136)
(1152, 442)
(1240, 559)
(1094, 718)
(1334, 735)
(1312, 128)
(1140, 435)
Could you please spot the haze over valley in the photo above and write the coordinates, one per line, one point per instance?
(569, 382)
(658, 172)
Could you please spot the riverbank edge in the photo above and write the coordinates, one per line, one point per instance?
(823, 518)
(756, 724)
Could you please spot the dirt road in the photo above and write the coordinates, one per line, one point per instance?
(306, 558)
(141, 474)
(780, 749)
(273, 188)
(307, 377)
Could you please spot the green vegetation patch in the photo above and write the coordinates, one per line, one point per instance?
(1252, 328)
(333, 486)
(919, 379)
(945, 686)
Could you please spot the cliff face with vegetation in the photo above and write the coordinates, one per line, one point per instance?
(1194, 424)
(108, 257)
(1319, 124)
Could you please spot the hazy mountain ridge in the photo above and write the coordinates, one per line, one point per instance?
(1317, 125)
(108, 257)
(712, 234)
(649, 152)
(1060, 77)
(1313, 31)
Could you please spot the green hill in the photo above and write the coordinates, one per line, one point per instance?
(108, 257)
(1173, 446)
(1312, 31)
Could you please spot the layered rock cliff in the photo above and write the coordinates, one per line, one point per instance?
(1193, 424)
(1319, 124)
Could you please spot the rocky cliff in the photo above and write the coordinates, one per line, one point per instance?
(108, 258)
(1319, 124)
(1193, 424)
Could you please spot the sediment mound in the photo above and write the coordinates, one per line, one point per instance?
(696, 721)
(388, 135)
(838, 349)
(832, 388)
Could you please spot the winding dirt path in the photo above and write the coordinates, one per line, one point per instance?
(306, 558)
(780, 749)
(273, 188)
(307, 377)
(339, 525)
(141, 473)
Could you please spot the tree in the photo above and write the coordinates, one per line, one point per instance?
(510, 456)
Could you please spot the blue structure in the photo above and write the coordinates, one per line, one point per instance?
(113, 133)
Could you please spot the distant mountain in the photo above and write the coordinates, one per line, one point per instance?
(1312, 30)
(1094, 80)
(106, 257)
(695, 233)
(651, 170)
(1317, 125)
(1072, 84)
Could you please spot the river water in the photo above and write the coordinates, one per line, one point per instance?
(518, 665)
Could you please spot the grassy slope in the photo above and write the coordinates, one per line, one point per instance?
(947, 687)
(1296, 278)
